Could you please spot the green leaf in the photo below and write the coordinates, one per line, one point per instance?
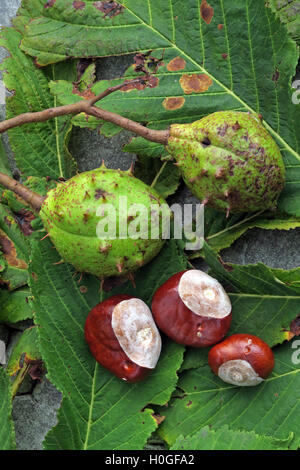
(221, 231)
(40, 148)
(269, 409)
(15, 250)
(264, 301)
(289, 13)
(16, 305)
(226, 439)
(4, 164)
(164, 177)
(145, 148)
(225, 57)
(27, 346)
(99, 410)
(7, 433)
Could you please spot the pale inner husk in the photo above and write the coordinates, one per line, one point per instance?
(239, 372)
(134, 327)
(203, 294)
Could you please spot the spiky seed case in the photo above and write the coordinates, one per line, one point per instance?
(69, 214)
(229, 161)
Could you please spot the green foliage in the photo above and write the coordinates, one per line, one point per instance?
(269, 409)
(15, 251)
(164, 177)
(289, 13)
(27, 347)
(40, 149)
(226, 439)
(7, 433)
(4, 165)
(221, 231)
(16, 305)
(262, 303)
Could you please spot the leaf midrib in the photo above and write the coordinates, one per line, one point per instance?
(230, 92)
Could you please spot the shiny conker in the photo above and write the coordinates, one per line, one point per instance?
(123, 337)
(192, 308)
(241, 359)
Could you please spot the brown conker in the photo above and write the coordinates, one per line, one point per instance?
(241, 359)
(192, 308)
(123, 337)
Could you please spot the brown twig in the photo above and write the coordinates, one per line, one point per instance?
(34, 199)
(88, 106)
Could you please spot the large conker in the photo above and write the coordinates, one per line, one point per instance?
(192, 308)
(123, 337)
(241, 359)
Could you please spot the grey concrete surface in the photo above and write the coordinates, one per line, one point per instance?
(35, 413)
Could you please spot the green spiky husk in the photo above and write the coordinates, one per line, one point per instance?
(69, 215)
(229, 160)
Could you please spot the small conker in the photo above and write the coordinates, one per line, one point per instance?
(123, 337)
(241, 359)
(192, 308)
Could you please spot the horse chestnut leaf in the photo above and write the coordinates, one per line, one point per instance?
(192, 308)
(123, 337)
(241, 359)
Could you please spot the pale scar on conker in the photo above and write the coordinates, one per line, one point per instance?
(192, 308)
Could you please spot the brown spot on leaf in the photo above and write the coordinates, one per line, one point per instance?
(8, 221)
(225, 265)
(141, 84)
(195, 83)
(152, 82)
(24, 218)
(9, 252)
(206, 12)
(220, 26)
(173, 103)
(109, 9)
(79, 5)
(49, 3)
(294, 328)
(34, 276)
(224, 56)
(83, 289)
(147, 63)
(158, 418)
(86, 94)
(275, 75)
(178, 63)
